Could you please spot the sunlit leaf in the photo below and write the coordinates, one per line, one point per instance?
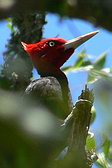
(97, 74)
(9, 24)
(100, 62)
(74, 69)
(91, 79)
(93, 111)
(91, 142)
(102, 162)
(82, 60)
(82, 64)
(106, 147)
(65, 69)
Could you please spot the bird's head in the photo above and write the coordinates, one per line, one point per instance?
(50, 54)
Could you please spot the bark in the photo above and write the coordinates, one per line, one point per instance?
(81, 124)
(98, 11)
(17, 69)
(80, 119)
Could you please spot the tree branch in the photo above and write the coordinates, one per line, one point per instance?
(97, 12)
(80, 116)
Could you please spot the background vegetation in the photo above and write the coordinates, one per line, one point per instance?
(23, 142)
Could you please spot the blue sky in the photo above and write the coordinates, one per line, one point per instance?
(69, 29)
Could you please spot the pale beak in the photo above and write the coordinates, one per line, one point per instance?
(79, 40)
(25, 46)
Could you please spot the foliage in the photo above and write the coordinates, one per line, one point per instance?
(98, 11)
(95, 69)
(100, 79)
(17, 69)
(30, 136)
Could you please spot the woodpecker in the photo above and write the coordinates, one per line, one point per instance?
(47, 57)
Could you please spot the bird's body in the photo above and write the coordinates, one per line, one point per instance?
(52, 88)
(48, 91)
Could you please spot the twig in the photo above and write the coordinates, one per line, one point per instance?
(80, 118)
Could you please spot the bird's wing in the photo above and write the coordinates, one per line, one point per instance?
(48, 91)
(46, 87)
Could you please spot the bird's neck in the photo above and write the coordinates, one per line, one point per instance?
(58, 74)
(62, 79)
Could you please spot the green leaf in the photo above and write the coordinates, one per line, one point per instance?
(9, 19)
(91, 79)
(102, 162)
(91, 142)
(110, 70)
(9, 24)
(100, 62)
(94, 75)
(65, 69)
(93, 111)
(80, 61)
(74, 69)
(106, 147)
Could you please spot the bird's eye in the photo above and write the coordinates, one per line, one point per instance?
(51, 43)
